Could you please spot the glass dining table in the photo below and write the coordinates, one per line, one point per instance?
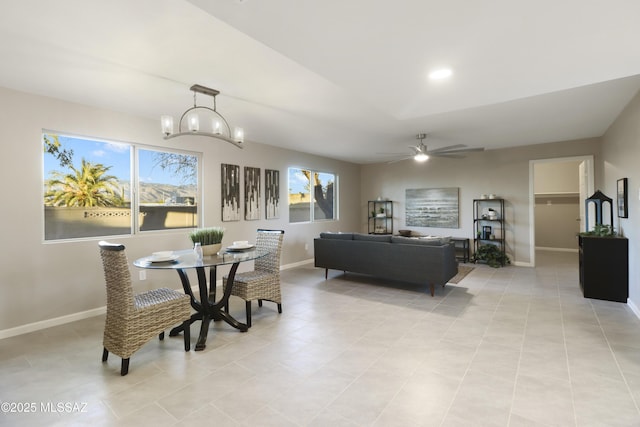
(207, 308)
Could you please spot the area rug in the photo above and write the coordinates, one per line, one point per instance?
(463, 270)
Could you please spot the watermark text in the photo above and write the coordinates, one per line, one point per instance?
(42, 407)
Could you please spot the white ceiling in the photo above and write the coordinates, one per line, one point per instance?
(344, 79)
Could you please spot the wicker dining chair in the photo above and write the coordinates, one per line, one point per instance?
(133, 320)
(263, 283)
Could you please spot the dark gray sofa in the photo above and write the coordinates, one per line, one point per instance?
(421, 261)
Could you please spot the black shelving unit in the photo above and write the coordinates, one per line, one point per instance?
(489, 229)
(380, 216)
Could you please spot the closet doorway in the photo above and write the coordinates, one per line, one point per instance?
(558, 188)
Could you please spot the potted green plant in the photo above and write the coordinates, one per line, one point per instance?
(492, 255)
(209, 238)
(600, 230)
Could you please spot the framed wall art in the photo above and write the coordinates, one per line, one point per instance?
(623, 210)
(230, 192)
(251, 193)
(432, 207)
(272, 193)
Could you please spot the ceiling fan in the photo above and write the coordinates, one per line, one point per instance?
(421, 153)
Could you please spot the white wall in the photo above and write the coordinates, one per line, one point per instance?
(503, 172)
(40, 281)
(620, 153)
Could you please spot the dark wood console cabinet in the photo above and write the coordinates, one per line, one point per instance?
(604, 268)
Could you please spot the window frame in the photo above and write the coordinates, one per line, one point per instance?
(134, 191)
(312, 201)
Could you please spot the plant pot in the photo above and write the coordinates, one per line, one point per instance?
(209, 250)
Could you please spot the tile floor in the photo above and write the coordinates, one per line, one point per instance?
(504, 347)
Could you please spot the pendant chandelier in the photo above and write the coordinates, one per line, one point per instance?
(214, 124)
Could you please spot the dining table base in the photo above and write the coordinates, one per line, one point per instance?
(207, 308)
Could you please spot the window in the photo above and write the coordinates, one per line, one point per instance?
(311, 202)
(167, 188)
(89, 186)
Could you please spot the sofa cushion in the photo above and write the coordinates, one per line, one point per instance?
(428, 241)
(337, 236)
(373, 237)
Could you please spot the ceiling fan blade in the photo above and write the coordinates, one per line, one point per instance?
(448, 148)
(400, 160)
(467, 150)
(464, 150)
(449, 155)
(451, 151)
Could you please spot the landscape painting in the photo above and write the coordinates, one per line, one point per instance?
(432, 207)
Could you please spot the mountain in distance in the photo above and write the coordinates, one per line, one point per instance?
(152, 193)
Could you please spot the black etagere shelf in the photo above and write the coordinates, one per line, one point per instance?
(489, 224)
(380, 217)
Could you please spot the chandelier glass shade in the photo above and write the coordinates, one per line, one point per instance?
(213, 124)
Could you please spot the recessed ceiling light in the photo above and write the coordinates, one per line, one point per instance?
(440, 74)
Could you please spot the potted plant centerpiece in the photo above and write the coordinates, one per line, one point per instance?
(209, 238)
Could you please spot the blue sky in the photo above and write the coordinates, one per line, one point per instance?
(297, 180)
(116, 155)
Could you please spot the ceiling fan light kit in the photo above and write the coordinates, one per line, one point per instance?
(420, 157)
(216, 125)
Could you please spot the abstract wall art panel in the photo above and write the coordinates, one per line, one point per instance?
(272, 193)
(230, 192)
(432, 207)
(251, 193)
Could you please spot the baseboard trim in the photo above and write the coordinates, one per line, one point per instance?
(522, 264)
(56, 321)
(296, 264)
(633, 307)
(44, 324)
(543, 248)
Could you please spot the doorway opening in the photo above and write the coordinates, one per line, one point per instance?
(557, 190)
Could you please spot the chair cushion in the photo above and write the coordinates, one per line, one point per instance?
(253, 276)
(157, 296)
